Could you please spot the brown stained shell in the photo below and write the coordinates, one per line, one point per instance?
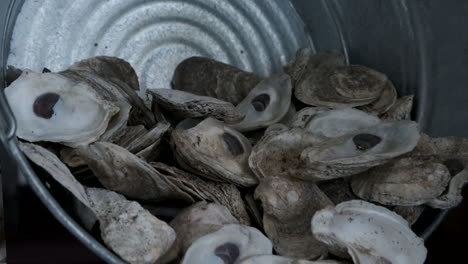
(410, 213)
(207, 77)
(224, 194)
(328, 82)
(401, 110)
(189, 105)
(198, 220)
(214, 151)
(358, 151)
(266, 104)
(384, 103)
(338, 190)
(288, 205)
(279, 150)
(405, 182)
(121, 171)
(296, 68)
(128, 229)
(305, 115)
(118, 77)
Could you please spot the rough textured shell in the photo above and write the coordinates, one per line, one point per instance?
(288, 205)
(401, 110)
(296, 68)
(279, 150)
(209, 249)
(369, 233)
(409, 213)
(121, 171)
(204, 76)
(340, 157)
(214, 151)
(303, 117)
(266, 104)
(65, 124)
(194, 106)
(225, 194)
(406, 182)
(384, 103)
(128, 229)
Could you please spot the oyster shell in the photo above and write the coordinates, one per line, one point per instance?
(214, 151)
(328, 82)
(303, 117)
(198, 220)
(189, 105)
(406, 182)
(121, 171)
(358, 151)
(228, 244)
(129, 230)
(338, 190)
(279, 150)
(368, 233)
(224, 194)
(47, 108)
(296, 68)
(266, 104)
(272, 259)
(204, 76)
(401, 110)
(288, 205)
(409, 213)
(289, 117)
(384, 103)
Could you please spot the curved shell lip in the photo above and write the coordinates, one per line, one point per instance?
(75, 139)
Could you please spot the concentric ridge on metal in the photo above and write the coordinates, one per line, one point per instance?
(154, 36)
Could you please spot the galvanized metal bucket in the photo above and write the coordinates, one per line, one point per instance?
(421, 55)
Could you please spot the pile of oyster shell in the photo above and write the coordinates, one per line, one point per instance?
(319, 164)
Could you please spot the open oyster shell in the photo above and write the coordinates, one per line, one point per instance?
(328, 82)
(266, 104)
(204, 76)
(405, 181)
(121, 171)
(228, 244)
(358, 151)
(368, 233)
(304, 116)
(288, 205)
(214, 151)
(224, 194)
(129, 230)
(189, 105)
(50, 107)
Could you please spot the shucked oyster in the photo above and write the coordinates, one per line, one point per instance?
(194, 106)
(368, 233)
(288, 205)
(50, 107)
(266, 104)
(407, 181)
(227, 245)
(204, 76)
(358, 151)
(328, 82)
(214, 151)
(128, 229)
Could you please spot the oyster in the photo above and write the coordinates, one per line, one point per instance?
(121, 171)
(198, 220)
(288, 205)
(289, 117)
(189, 105)
(328, 82)
(227, 245)
(368, 233)
(50, 107)
(303, 117)
(224, 194)
(406, 182)
(357, 151)
(129, 230)
(279, 150)
(214, 151)
(266, 104)
(401, 110)
(272, 259)
(204, 76)
(296, 68)
(384, 103)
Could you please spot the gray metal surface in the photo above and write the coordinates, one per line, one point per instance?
(421, 45)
